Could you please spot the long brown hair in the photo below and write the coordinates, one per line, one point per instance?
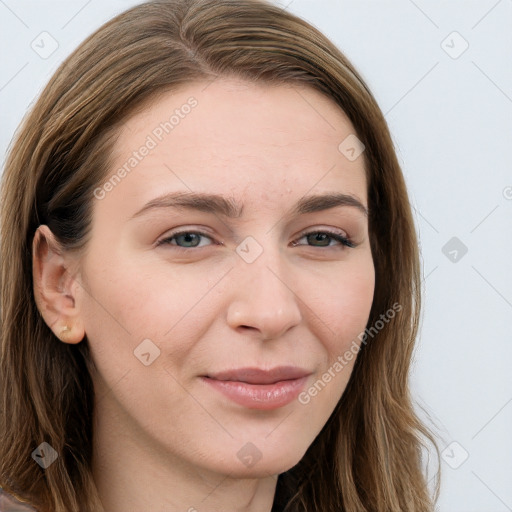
(368, 455)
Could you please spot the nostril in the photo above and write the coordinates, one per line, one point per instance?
(244, 328)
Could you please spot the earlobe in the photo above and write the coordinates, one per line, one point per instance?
(68, 335)
(55, 288)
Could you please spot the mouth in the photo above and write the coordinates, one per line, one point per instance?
(256, 388)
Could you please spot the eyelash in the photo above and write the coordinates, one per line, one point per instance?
(344, 241)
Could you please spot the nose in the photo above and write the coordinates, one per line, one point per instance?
(263, 300)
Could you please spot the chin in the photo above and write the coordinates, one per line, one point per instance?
(262, 459)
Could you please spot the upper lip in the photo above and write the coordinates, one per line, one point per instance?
(261, 376)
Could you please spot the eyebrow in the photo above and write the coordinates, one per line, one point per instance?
(229, 207)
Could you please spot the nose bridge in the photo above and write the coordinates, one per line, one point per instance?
(263, 298)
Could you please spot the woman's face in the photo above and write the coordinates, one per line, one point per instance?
(210, 322)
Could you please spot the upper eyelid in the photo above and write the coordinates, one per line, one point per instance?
(330, 231)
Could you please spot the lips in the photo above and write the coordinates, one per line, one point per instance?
(260, 376)
(256, 388)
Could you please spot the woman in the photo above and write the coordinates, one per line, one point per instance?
(210, 276)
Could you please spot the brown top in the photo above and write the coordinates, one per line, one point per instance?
(10, 504)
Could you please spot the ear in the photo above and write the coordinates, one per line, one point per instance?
(55, 287)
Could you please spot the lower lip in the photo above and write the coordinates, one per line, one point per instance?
(259, 396)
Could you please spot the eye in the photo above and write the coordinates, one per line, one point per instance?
(190, 239)
(324, 238)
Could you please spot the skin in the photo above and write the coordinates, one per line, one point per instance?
(163, 439)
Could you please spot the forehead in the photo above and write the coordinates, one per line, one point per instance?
(236, 137)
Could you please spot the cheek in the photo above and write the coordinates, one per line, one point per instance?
(344, 306)
(126, 303)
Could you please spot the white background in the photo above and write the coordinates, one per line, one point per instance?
(450, 113)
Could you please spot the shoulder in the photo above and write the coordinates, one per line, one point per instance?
(9, 503)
